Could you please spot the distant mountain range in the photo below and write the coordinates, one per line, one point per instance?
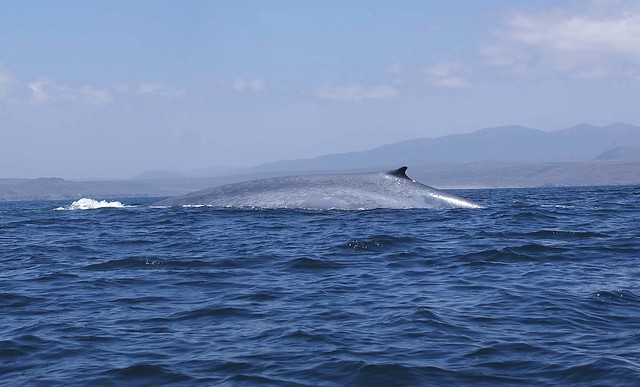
(621, 153)
(508, 156)
(583, 142)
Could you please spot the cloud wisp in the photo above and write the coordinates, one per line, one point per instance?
(450, 75)
(6, 82)
(46, 90)
(355, 92)
(153, 89)
(254, 85)
(594, 41)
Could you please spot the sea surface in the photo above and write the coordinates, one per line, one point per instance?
(541, 287)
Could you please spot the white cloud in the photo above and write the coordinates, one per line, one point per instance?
(453, 83)
(593, 73)
(158, 90)
(395, 68)
(43, 90)
(46, 90)
(6, 82)
(589, 40)
(356, 93)
(578, 33)
(255, 85)
(502, 55)
(448, 75)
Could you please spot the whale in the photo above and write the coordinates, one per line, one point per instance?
(350, 191)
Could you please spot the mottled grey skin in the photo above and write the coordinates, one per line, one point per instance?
(392, 189)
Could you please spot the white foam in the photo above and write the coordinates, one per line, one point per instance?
(456, 201)
(556, 206)
(90, 204)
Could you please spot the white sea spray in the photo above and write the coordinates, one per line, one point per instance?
(90, 204)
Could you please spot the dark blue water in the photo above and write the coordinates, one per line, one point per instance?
(541, 287)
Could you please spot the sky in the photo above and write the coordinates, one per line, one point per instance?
(111, 89)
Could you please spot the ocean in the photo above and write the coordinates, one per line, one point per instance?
(541, 287)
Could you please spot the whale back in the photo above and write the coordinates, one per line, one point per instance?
(390, 189)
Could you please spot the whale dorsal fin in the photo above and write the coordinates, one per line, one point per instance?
(400, 172)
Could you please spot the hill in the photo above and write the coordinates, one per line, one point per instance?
(507, 144)
(508, 156)
(621, 153)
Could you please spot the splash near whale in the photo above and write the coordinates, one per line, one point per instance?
(390, 189)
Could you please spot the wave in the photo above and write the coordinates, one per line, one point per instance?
(90, 204)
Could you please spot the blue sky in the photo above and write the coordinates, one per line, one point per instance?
(111, 89)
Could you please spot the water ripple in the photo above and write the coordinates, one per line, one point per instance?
(539, 288)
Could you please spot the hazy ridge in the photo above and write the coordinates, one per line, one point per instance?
(583, 142)
(508, 156)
